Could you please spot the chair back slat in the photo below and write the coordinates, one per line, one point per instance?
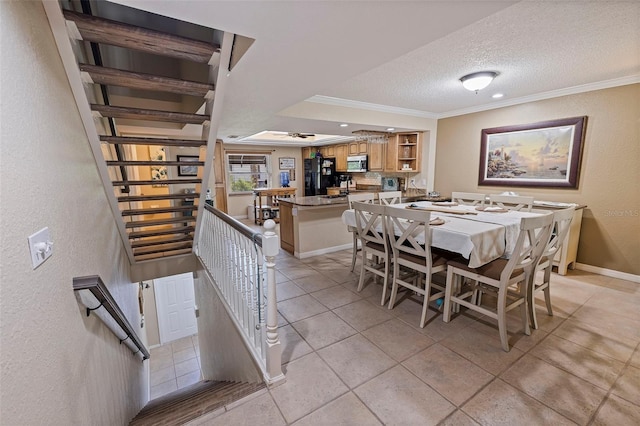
(370, 223)
(561, 224)
(403, 228)
(469, 198)
(511, 202)
(363, 197)
(390, 197)
(532, 240)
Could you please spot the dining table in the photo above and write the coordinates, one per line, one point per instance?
(479, 234)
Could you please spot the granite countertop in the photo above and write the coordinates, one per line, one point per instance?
(320, 200)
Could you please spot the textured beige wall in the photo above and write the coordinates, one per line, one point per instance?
(223, 354)
(609, 176)
(58, 366)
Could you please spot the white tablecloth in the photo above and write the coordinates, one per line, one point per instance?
(481, 238)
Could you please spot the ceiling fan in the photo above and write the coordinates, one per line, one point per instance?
(300, 135)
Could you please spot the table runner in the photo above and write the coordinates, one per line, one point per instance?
(480, 238)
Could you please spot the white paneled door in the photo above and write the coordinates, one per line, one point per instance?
(175, 302)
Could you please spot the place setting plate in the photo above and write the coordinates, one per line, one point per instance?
(444, 203)
(436, 221)
(491, 209)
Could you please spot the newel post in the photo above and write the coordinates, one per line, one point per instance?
(270, 249)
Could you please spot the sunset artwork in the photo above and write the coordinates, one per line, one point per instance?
(542, 156)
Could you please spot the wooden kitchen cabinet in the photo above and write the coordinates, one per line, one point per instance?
(341, 157)
(287, 236)
(391, 154)
(358, 148)
(306, 152)
(220, 186)
(376, 157)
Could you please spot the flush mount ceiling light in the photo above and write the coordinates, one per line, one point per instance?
(478, 80)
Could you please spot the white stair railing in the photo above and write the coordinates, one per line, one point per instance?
(241, 263)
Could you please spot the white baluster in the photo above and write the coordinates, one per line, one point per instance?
(270, 249)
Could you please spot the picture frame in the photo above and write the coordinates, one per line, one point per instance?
(543, 154)
(188, 170)
(159, 172)
(287, 163)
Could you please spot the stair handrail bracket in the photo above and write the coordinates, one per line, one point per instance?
(241, 265)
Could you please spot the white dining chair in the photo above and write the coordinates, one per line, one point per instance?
(511, 202)
(561, 225)
(364, 197)
(507, 279)
(371, 228)
(390, 197)
(469, 198)
(403, 228)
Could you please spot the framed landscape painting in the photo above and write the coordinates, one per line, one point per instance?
(188, 170)
(545, 154)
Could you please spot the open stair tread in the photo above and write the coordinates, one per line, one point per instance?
(156, 222)
(163, 255)
(143, 81)
(165, 249)
(186, 404)
(158, 232)
(152, 141)
(154, 182)
(149, 114)
(156, 210)
(149, 242)
(155, 163)
(101, 30)
(128, 198)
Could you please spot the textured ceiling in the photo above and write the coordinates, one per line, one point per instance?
(409, 55)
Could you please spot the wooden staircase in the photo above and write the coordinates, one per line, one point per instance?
(158, 218)
(186, 404)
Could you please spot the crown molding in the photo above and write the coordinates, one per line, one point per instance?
(606, 84)
(328, 100)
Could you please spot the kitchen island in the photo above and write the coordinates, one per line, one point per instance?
(310, 226)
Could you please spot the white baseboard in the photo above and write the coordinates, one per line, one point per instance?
(608, 272)
(327, 250)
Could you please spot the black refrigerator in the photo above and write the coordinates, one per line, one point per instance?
(319, 174)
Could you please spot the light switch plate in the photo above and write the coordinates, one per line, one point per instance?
(40, 247)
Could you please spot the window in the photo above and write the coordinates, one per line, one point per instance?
(248, 172)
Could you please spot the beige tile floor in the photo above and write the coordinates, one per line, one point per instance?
(350, 361)
(174, 365)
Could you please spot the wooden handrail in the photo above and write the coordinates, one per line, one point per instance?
(94, 284)
(236, 224)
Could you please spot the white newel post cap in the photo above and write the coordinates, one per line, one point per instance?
(270, 243)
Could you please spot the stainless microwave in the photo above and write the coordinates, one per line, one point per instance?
(357, 163)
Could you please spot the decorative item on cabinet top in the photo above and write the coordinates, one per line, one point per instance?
(371, 136)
